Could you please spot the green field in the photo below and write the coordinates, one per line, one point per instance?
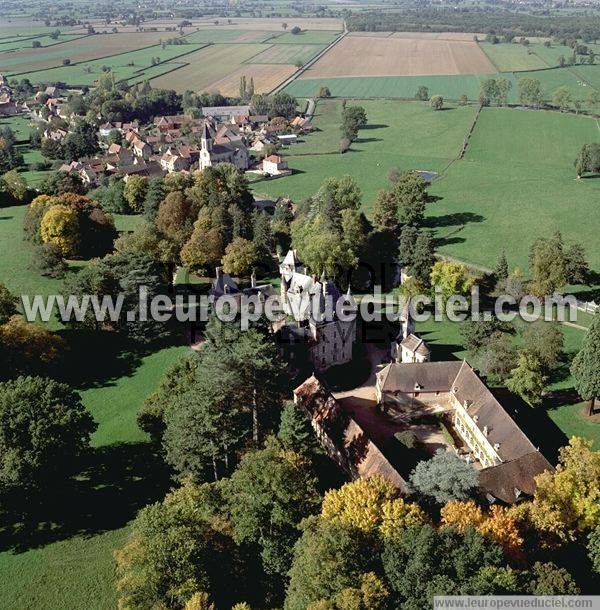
(509, 57)
(390, 141)
(551, 54)
(450, 87)
(287, 54)
(404, 87)
(124, 66)
(516, 183)
(323, 37)
(217, 36)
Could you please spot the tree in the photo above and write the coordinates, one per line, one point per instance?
(577, 269)
(562, 98)
(544, 340)
(175, 550)
(134, 192)
(586, 365)
(328, 558)
(549, 579)
(530, 92)
(501, 270)
(15, 185)
(47, 260)
(8, 304)
(354, 118)
(372, 594)
(444, 477)
(296, 30)
(154, 196)
(295, 432)
(60, 226)
(588, 160)
(499, 525)
(410, 190)
(81, 142)
(241, 256)
(422, 94)
(527, 379)
(270, 492)
(371, 505)
(176, 380)
(385, 212)
(323, 92)
(44, 432)
(468, 565)
(566, 500)
(437, 102)
(593, 548)
(452, 278)
(29, 348)
(547, 263)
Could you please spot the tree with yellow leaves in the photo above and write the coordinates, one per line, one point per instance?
(371, 595)
(60, 226)
(371, 505)
(199, 601)
(500, 524)
(567, 501)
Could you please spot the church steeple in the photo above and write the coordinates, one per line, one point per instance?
(206, 139)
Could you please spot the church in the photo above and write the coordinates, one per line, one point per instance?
(212, 153)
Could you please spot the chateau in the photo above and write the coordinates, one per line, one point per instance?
(311, 303)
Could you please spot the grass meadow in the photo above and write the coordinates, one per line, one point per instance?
(515, 183)
(68, 562)
(509, 57)
(391, 140)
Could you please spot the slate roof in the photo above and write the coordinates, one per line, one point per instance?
(416, 345)
(509, 480)
(430, 376)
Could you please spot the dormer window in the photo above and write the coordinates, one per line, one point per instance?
(455, 389)
(475, 418)
(485, 430)
(518, 492)
(418, 386)
(496, 446)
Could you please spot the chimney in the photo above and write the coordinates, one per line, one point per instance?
(219, 271)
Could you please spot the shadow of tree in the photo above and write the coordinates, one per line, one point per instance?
(452, 220)
(115, 483)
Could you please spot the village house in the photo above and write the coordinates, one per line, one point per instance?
(302, 124)
(491, 440)
(226, 113)
(140, 148)
(274, 165)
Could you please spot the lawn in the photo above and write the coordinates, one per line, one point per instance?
(389, 141)
(517, 183)
(508, 57)
(551, 54)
